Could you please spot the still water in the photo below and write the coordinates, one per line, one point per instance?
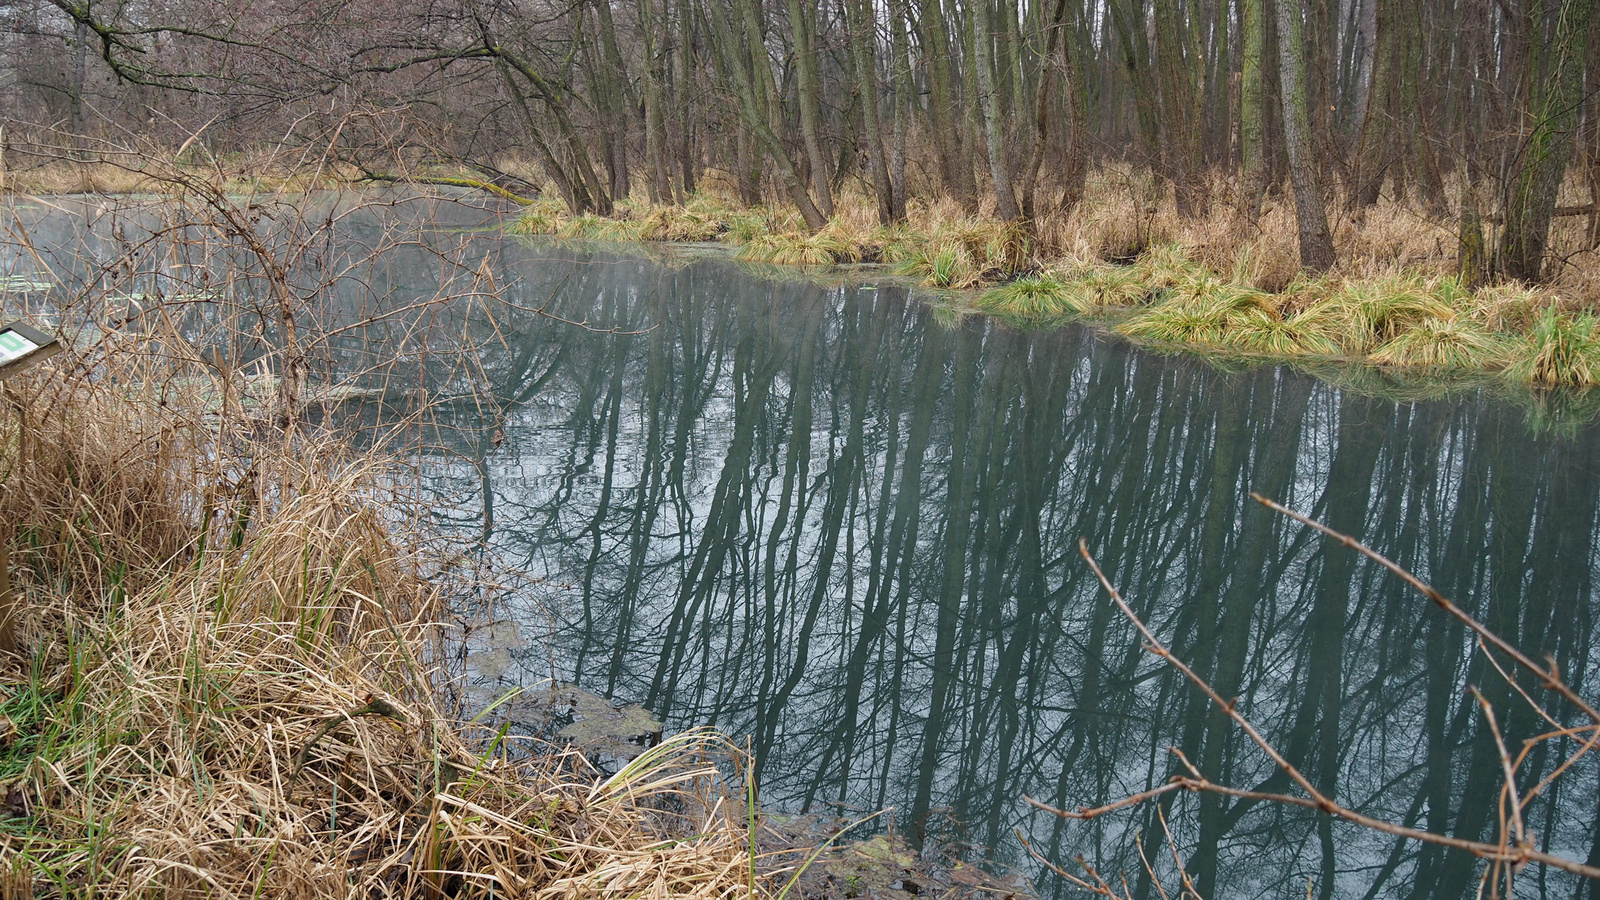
(845, 525)
(842, 524)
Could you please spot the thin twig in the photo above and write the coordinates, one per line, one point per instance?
(1516, 856)
(1551, 678)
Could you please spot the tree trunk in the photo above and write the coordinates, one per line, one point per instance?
(802, 21)
(904, 93)
(652, 28)
(1252, 108)
(1316, 244)
(1179, 128)
(620, 96)
(1376, 125)
(943, 117)
(863, 41)
(1128, 19)
(688, 156)
(745, 83)
(989, 105)
(1554, 107)
(1060, 47)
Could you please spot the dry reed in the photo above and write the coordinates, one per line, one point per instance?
(228, 683)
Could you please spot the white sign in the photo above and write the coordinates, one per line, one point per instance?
(14, 346)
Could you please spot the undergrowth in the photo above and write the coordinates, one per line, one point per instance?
(1207, 285)
(226, 683)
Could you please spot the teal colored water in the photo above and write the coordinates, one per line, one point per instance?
(843, 524)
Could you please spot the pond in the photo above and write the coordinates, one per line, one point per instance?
(842, 524)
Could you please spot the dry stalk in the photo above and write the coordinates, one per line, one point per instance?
(1506, 856)
(232, 665)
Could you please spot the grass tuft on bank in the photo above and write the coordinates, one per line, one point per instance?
(227, 683)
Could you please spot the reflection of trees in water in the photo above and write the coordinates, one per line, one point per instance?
(816, 517)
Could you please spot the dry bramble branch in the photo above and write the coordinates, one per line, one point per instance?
(1512, 848)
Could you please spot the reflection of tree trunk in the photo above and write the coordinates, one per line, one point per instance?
(1346, 502)
(1509, 493)
(650, 496)
(1229, 454)
(751, 385)
(595, 529)
(880, 605)
(1037, 456)
(953, 544)
(843, 479)
(1282, 411)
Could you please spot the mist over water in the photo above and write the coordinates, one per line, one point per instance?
(844, 523)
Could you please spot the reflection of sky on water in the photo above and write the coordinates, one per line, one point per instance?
(816, 516)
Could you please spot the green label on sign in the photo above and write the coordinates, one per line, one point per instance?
(14, 346)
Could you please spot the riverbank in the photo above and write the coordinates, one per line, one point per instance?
(229, 681)
(1210, 286)
(1123, 259)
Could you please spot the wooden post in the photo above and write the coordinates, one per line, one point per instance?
(8, 601)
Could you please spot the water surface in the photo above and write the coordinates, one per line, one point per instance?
(842, 523)
(845, 524)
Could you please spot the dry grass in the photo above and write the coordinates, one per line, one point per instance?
(227, 685)
(114, 172)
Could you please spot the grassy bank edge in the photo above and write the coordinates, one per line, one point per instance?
(1407, 320)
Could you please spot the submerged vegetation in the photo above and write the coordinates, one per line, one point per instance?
(229, 682)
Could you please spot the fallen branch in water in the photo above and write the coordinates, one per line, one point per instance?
(1512, 849)
(476, 184)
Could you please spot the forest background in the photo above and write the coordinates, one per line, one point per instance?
(1261, 139)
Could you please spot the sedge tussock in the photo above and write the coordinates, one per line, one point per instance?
(1562, 350)
(1038, 299)
(824, 248)
(1371, 312)
(543, 217)
(1274, 335)
(1444, 343)
(230, 685)
(1179, 323)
